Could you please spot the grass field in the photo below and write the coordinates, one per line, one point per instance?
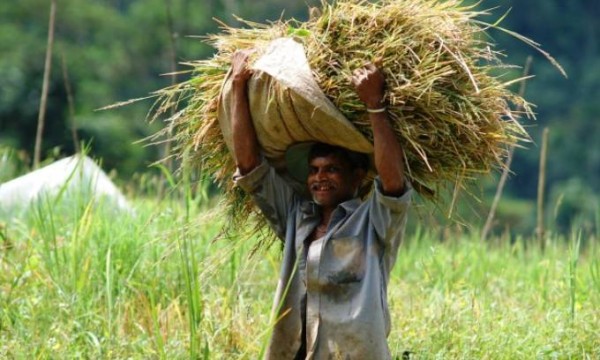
(82, 281)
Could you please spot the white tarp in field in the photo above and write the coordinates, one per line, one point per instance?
(72, 176)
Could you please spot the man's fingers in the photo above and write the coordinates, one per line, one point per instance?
(242, 55)
(364, 74)
(241, 70)
(359, 71)
(367, 70)
(370, 66)
(245, 51)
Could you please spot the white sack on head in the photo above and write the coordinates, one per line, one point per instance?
(287, 106)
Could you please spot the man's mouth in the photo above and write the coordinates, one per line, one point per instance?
(321, 187)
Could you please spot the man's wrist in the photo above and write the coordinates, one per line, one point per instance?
(240, 83)
(375, 102)
(376, 110)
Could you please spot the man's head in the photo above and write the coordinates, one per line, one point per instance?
(334, 174)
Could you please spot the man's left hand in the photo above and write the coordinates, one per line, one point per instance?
(369, 83)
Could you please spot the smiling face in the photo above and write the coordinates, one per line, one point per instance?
(332, 180)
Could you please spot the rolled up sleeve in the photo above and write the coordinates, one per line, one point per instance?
(252, 180)
(388, 215)
(270, 193)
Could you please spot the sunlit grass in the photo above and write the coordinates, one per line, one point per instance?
(81, 281)
(465, 299)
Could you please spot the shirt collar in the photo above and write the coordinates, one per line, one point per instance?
(310, 208)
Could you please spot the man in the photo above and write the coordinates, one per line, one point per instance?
(331, 300)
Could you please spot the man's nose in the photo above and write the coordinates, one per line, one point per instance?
(320, 174)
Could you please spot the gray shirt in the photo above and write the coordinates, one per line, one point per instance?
(341, 278)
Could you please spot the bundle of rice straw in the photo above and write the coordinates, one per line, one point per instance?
(454, 117)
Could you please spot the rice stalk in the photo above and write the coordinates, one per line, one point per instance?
(453, 114)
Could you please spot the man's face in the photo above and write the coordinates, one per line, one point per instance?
(332, 181)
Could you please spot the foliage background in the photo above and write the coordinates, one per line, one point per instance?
(115, 50)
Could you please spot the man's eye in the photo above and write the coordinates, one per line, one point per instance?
(334, 169)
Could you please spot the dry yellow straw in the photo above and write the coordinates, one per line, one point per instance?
(449, 108)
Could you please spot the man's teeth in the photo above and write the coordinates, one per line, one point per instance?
(322, 187)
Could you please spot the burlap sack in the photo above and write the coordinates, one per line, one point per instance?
(288, 107)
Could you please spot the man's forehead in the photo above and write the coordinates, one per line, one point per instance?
(329, 158)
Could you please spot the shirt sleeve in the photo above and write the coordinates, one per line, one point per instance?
(388, 217)
(272, 195)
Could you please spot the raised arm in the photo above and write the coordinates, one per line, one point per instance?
(245, 141)
(369, 82)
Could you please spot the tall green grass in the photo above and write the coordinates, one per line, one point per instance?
(79, 280)
(465, 299)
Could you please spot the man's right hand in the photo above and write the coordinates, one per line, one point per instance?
(245, 141)
(240, 72)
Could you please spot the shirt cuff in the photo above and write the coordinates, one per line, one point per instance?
(394, 203)
(252, 180)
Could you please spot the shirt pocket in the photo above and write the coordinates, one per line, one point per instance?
(345, 261)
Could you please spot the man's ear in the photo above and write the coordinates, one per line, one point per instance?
(359, 176)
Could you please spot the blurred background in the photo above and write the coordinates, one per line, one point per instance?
(108, 51)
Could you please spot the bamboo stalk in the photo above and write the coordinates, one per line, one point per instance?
(541, 186)
(44, 97)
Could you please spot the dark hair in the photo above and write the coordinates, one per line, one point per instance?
(355, 159)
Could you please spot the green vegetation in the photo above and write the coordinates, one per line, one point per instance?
(115, 50)
(80, 281)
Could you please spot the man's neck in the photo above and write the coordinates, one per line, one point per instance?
(326, 215)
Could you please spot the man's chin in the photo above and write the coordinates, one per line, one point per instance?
(317, 201)
(320, 201)
(324, 202)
